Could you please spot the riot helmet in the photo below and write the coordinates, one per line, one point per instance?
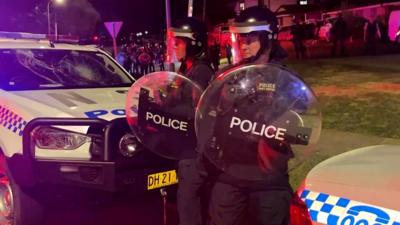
(253, 34)
(192, 33)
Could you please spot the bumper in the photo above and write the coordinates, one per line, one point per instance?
(104, 176)
(110, 172)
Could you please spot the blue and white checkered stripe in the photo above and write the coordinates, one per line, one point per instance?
(332, 210)
(12, 121)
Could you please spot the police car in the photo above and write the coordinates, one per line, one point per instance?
(63, 125)
(360, 187)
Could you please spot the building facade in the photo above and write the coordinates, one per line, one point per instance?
(272, 4)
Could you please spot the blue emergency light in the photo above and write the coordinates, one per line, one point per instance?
(18, 35)
(52, 38)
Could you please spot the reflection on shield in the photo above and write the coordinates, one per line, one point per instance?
(160, 111)
(253, 120)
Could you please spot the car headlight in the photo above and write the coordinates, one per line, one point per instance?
(53, 138)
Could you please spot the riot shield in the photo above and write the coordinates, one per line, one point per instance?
(257, 120)
(160, 111)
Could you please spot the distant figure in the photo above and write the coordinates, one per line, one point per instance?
(121, 56)
(297, 31)
(324, 31)
(144, 60)
(383, 29)
(214, 55)
(339, 35)
(161, 60)
(371, 36)
(228, 50)
(150, 51)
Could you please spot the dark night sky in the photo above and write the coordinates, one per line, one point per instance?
(141, 15)
(138, 15)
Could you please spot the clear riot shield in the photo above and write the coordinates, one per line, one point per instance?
(160, 111)
(257, 120)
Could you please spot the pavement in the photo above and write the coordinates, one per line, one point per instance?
(333, 142)
(122, 210)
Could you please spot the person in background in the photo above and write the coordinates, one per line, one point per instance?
(228, 50)
(339, 35)
(297, 31)
(214, 55)
(371, 36)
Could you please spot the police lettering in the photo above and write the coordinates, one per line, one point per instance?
(269, 131)
(167, 122)
(101, 112)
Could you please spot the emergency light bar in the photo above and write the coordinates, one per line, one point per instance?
(17, 35)
(52, 38)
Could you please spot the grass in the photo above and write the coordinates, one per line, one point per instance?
(347, 73)
(371, 114)
(375, 113)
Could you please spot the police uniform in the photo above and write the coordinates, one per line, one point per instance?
(265, 201)
(191, 173)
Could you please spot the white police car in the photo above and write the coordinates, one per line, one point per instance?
(360, 187)
(63, 125)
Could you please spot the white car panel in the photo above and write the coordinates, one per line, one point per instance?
(360, 187)
(79, 103)
(17, 108)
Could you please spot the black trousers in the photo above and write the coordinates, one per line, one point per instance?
(192, 178)
(300, 49)
(342, 43)
(231, 205)
(370, 46)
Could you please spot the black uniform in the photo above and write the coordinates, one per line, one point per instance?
(191, 172)
(339, 35)
(265, 201)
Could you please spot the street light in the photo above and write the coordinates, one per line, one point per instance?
(58, 2)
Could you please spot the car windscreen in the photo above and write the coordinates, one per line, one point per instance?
(37, 69)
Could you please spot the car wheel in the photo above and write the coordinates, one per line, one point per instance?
(17, 207)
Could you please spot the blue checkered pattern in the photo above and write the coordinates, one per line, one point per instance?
(324, 208)
(332, 210)
(12, 121)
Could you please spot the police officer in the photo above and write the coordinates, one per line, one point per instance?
(256, 30)
(190, 47)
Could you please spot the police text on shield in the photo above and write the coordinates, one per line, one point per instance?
(269, 131)
(167, 122)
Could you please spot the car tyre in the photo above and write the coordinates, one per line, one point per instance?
(17, 205)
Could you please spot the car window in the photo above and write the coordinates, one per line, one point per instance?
(36, 69)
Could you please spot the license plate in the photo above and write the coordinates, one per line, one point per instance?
(162, 179)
